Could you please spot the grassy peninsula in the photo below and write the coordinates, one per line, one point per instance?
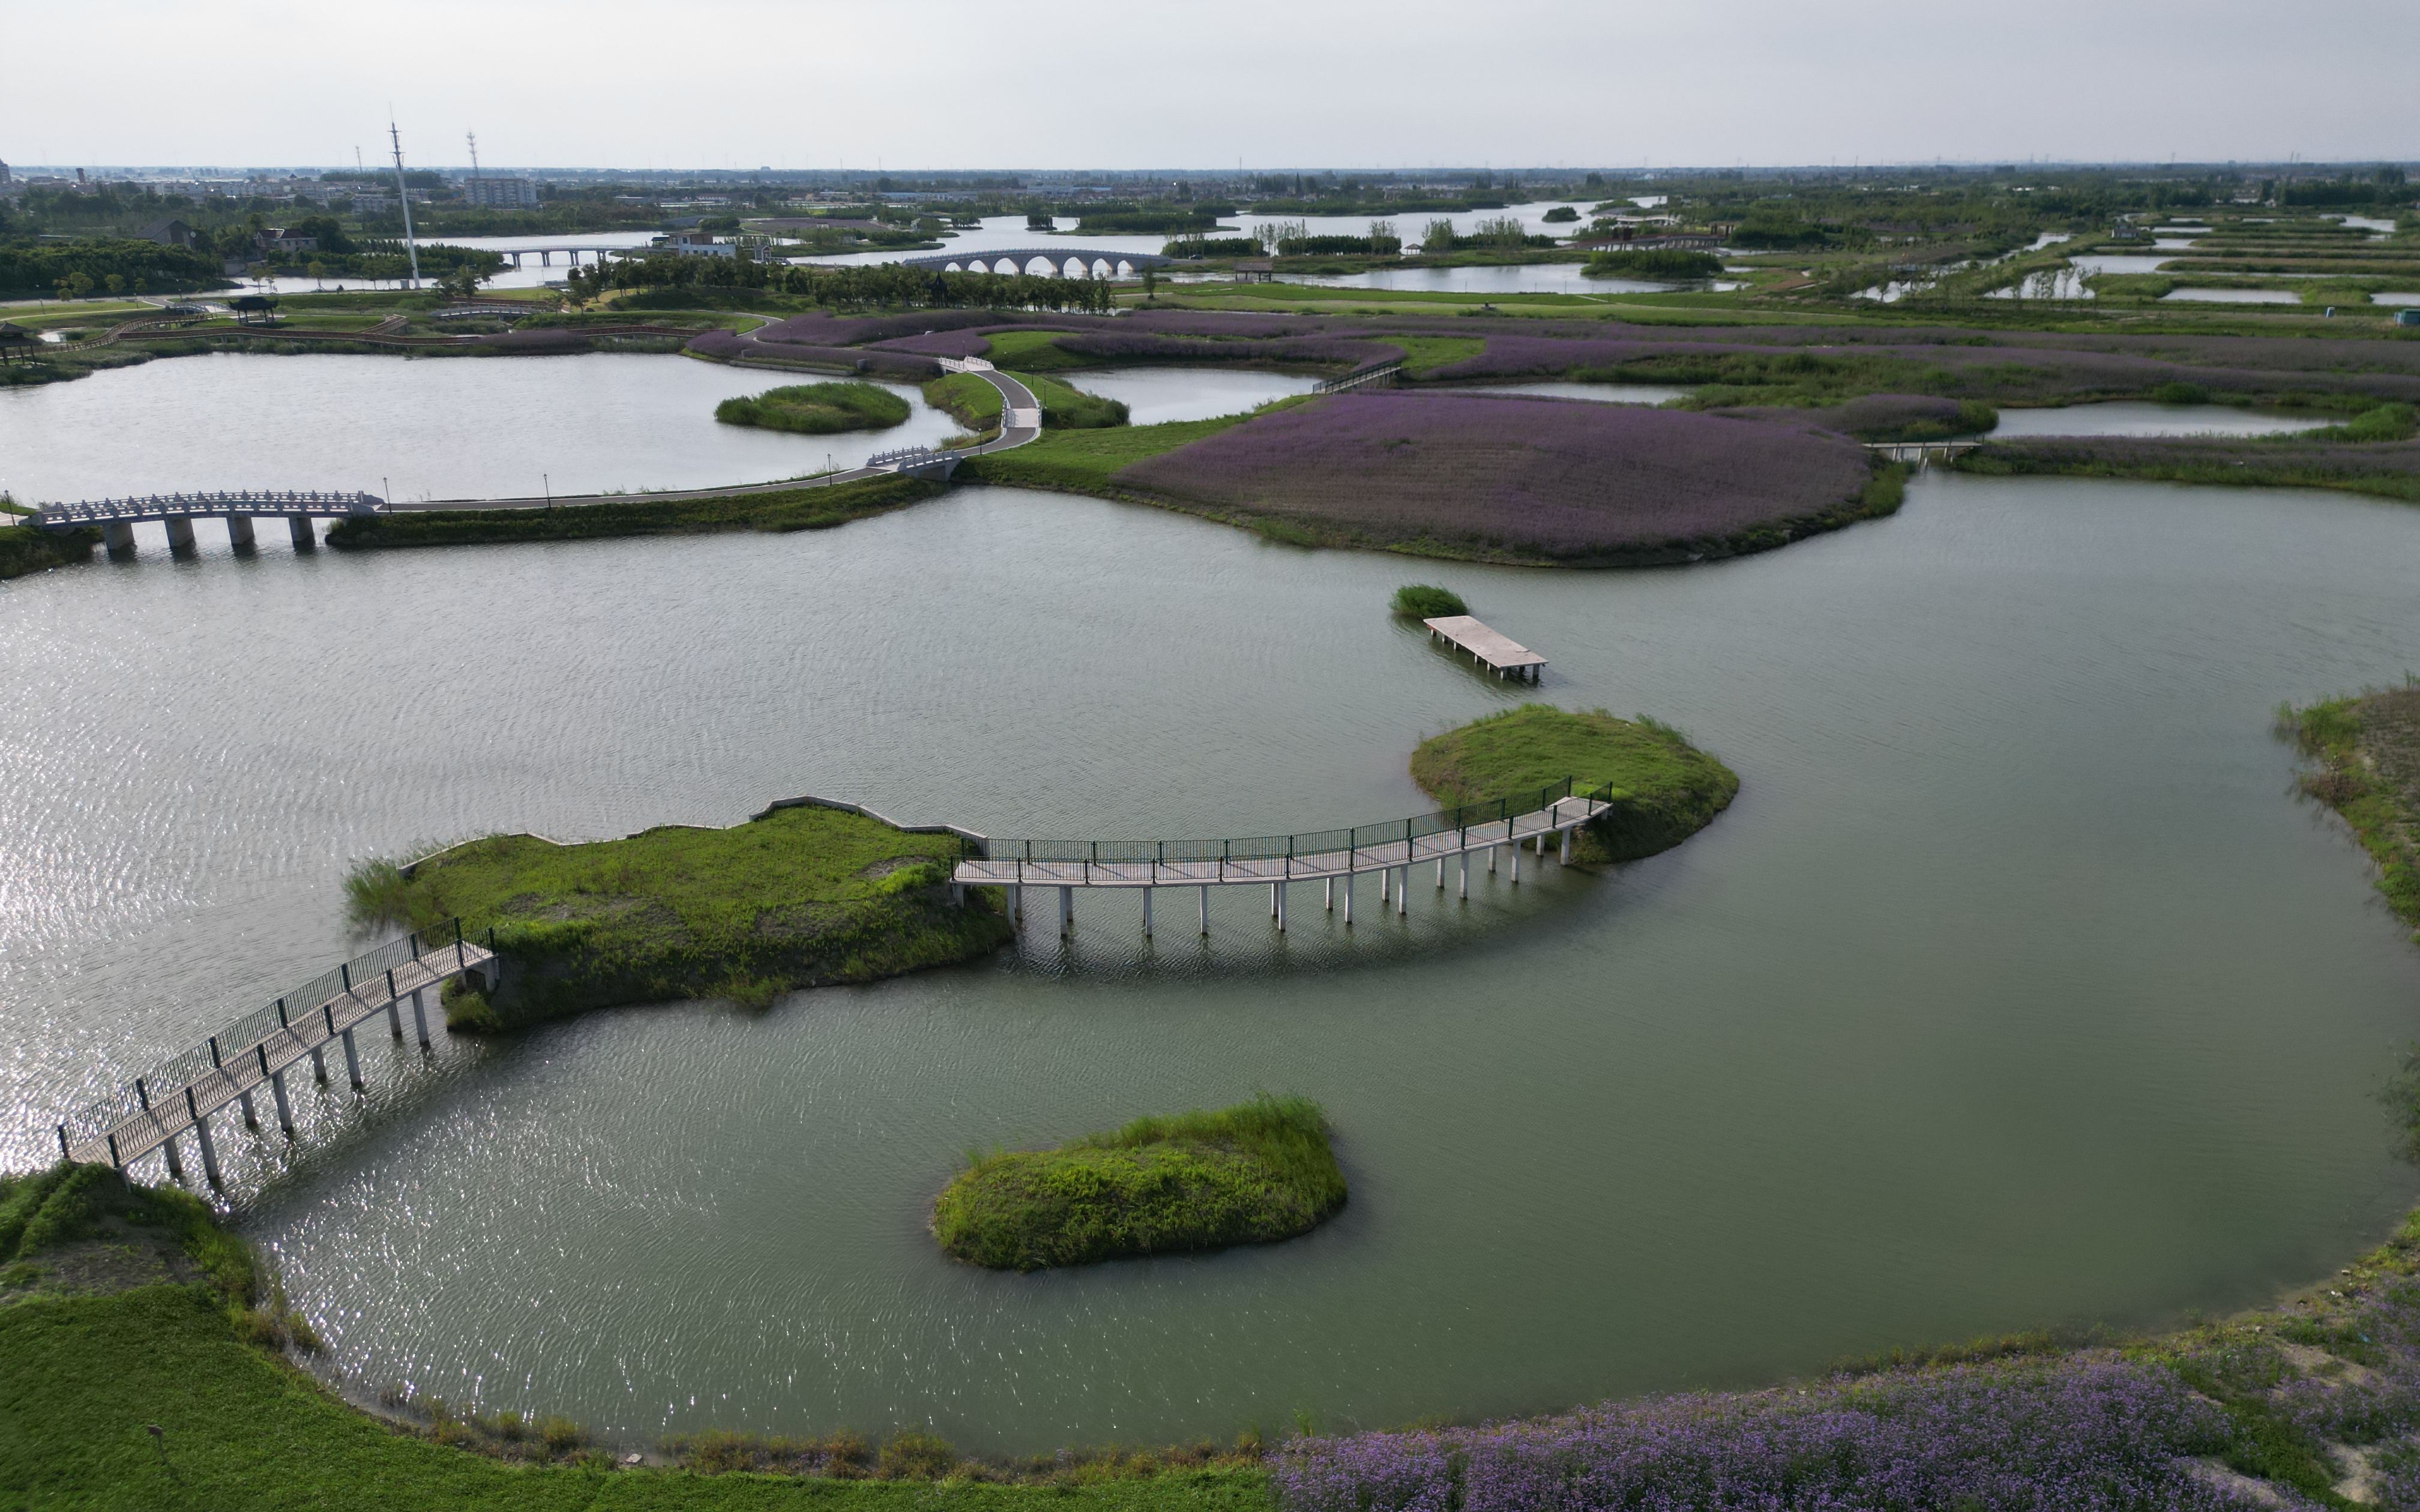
(781, 510)
(816, 408)
(2365, 755)
(976, 404)
(799, 897)
(25, 550)
(1250, 1174)
(1668, 789)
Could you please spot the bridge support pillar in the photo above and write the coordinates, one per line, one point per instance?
(240, 532)
(1386, 880)
(1332, 895)
(395, 1016)
(1515, 848)
(1066, 911)
(320, 1065)
(117, 537)
(243, 1101)
(285, 1108)
(1348, 900)
(1566, 857)
(299, 526)
(1015, 904)
(1440, 874)
(180, 533)
(1279, 888)
(210, 1148)
(1466, 873)
(1491, 859)
(353, 1063)
(1146, 913)
(420, 1016)
(1403, 891)
(176, 1162)
(1205, 910)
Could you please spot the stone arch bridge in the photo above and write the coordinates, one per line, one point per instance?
(1057, 262)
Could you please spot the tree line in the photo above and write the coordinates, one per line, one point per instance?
(857, 286)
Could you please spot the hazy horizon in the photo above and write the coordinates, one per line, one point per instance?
(731, 85)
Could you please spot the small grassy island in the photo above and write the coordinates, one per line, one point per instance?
(1670, 789)
(817, 409)
(1250, 1174)
(1426, 601)
(799, 897)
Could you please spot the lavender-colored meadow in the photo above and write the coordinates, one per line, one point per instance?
(2068, 1435)
(1516, 479)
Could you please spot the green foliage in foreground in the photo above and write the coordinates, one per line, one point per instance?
(789, 509)
(800, 897)
(816, 408)
(1668, 789)
(1426, 601)
(1250, 1174)
(23, 550)
(244, 1432)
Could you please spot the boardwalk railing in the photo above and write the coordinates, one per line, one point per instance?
(1383, 374)
(1400, 838)
(149, 1113)
(247, 501)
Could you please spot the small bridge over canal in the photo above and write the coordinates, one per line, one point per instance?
(117, 517)
(154, 1111)
(1498, 830)
(1064, 262)
(1923, 454)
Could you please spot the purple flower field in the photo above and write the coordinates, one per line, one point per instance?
(2074, 1434)
(1148, 346)
(1516, 479)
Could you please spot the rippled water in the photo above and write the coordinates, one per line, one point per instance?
(449, 427)
(2016, 988)
(2233, 295)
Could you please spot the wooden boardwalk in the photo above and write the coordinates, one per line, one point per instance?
(261, 1049)
(1327, 857)
(1500, 653)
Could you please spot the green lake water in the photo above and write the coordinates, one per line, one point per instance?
(2016, 989)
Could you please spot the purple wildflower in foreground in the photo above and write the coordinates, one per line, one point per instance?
(2073, 1435)
(1514, 478)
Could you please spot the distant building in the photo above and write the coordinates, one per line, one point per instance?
(1255, 270)
(171, 233)
(373, 202)
(694, 244)
(276, 241)
(502, 194)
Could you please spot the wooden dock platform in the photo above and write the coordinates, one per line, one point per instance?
(1495, 650)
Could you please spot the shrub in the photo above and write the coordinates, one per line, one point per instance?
(2181, 392)
(1560, 214)
(1425, 601)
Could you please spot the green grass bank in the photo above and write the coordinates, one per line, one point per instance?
(123, 1308)
(1250, 1174)
(2364, 764)
(816, 408)
(801, 896)
(787, 509)
(24, 549)
(1666, 789)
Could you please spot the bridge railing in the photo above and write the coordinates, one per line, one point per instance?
(189, 1065)
(1308, 842)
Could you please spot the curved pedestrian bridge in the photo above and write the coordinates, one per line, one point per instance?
(1498, 830)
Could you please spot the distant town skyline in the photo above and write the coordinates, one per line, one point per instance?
(732, 85)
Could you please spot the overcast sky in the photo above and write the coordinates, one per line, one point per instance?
(1273, 83)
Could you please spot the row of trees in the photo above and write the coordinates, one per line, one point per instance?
(71, 269)
(861, 286)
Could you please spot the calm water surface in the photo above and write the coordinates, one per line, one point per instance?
(2130, 417)
(2233, 295)
(1155, 395)
(453, 428)
(2016, 987)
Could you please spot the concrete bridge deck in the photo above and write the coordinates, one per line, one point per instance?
(259, 1050)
